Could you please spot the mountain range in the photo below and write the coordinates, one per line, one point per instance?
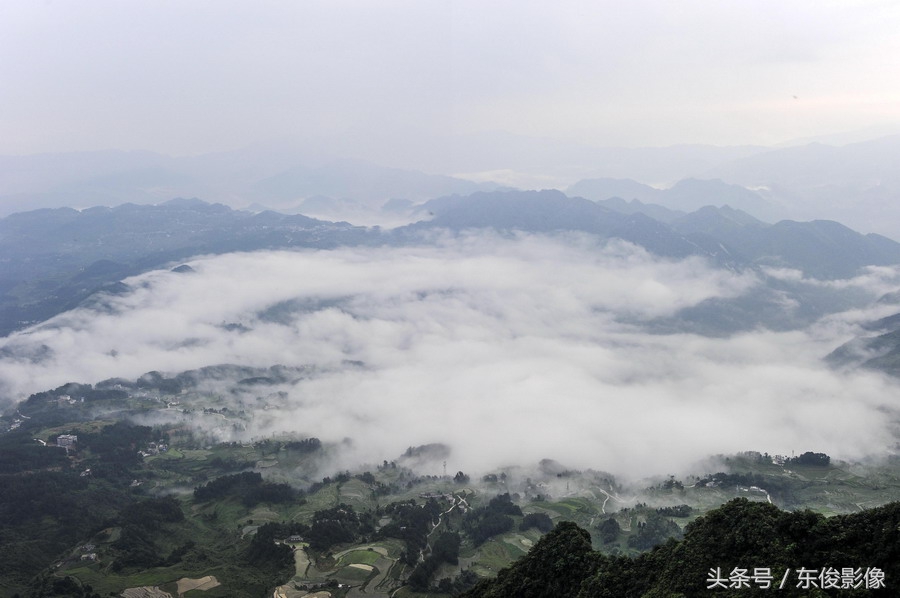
(55, 258)
(686, 195)
(820, 248)
(785, 274)
(855, 183)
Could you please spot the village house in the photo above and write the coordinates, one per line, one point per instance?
(66, 441)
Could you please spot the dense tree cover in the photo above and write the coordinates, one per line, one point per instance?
(740, 538)
(307, 445)
(229, 464)
(20, 452)
(65, 587)
(655, 530)
(810, 458)
(226, 485)
(376, 487)
(45, 507)
(609, 530)
(444, 550)
(411, 523)
(672, 484)
(337, 525)
(461, 478)
(261, 565)
(446, 547)
(140, 523)
(555, 567)
(676, 511)
(44, 513)
(158, 381)
(503, 504)
(43, 494)
(248, 487)
(136, 550)
(433, 451)
(265, 553)
(152, 512)
(485, 522)
(541, 521)
(117, 443)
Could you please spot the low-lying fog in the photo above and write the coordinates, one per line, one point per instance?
(509, 350)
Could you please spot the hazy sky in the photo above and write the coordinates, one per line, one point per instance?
(188, 77)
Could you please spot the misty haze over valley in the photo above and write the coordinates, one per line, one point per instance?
(649, 326)
(498, 340)
(374, 298)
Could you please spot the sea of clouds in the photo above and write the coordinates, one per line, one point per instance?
(509, 350)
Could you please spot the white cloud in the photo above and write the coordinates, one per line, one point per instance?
(509, 350)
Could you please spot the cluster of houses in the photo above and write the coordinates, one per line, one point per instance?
(154, 448)
(436, 495)
(89, 554)
(763, 457)
(67, 441)
(67, 400)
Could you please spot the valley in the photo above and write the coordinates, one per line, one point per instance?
(173, 508)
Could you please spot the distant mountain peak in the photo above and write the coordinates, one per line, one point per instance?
(185, 202)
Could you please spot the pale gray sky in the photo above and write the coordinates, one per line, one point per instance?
(190, 77)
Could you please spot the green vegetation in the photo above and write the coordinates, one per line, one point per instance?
(540, 521)
(743, 545)
(444, 549)
(131, 505)
(555, 567)
(811, 458)
(495, 518)
(248, 487)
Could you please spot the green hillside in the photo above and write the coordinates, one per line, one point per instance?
(164, 506)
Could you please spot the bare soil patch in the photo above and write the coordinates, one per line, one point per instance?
(146, 592)
(186, 584)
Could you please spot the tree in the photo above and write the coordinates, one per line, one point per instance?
(656, 530)
(609, 530)
(810, 458)
(541, 521)
(555, 567)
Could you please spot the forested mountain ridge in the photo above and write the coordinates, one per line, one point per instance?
(751, 547)
(170, 476)
(820, 248)
(55, 258)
